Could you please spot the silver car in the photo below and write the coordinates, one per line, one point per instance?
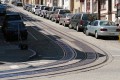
(102, 28)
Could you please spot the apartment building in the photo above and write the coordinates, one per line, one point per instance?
(68, 4)
(78, 6)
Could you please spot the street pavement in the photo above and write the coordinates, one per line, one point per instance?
(110, 71)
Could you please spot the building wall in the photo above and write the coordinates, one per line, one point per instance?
(61, 3)
(77, 6)
(67, 4)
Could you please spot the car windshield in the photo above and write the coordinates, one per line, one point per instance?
(107, 23)
(69, 15)
(42, 7)
(64, 11)
(12, 18)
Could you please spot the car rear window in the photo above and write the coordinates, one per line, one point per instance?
(64, 11)
(13, 17)
(16, 25)
(90, 17)
(107, 23)
(56, 8)
(69, 15)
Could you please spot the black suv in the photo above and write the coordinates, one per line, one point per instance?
(80, 20)
(11, 17)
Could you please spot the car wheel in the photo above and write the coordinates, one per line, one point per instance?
(56, 21)
(60, 23)
(87, 33)
(64, 24)
(70, 26)
(52, 19)
(77, 28)
(96, 35)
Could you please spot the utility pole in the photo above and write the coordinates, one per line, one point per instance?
(99, 9)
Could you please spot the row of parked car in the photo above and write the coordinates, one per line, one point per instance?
(85, 22)
(12, 25)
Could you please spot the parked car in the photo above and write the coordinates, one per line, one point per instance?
(2, 9)
(44, 11)
(11, 17)
(58, 13)
(13, 1)
(65, 19)
(25, 6)
(18, 3)
(102, 28)
(80, 20)
(15, 30)
(51, 11)
(34, 7)
(29, 7)
(38, 9)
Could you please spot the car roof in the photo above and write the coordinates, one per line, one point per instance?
(11, 13)
(103, 20)
(16, 21)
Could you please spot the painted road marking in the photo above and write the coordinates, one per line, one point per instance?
(116, 55)
(32, 35)
(14, 67)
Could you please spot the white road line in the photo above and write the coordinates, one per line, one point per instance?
(14, 67)
(32, 35)
(116, 55)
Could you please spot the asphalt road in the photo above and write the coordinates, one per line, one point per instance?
(110, 70)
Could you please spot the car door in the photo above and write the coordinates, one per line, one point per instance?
(72, 20)
(89, 27)
(55, 13)
(77, 20)
(94, 27)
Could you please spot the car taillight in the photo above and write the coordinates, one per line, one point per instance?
(103, 29)
(58, 16)
(81, 22)
(118, 30)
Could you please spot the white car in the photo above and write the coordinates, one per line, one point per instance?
(34, 7)
(102, 28)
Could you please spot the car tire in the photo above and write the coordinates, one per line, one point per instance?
(56, 21)
(70, 26)
(52, 19)
(60, 23)
(87, 33)
(96, 35)
(77, 28)
(64, 24)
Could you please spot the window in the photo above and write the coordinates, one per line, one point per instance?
(74, 16)
(78, 16)
(64, 11)
(107, 23)
(103, 4)
(95, 23)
